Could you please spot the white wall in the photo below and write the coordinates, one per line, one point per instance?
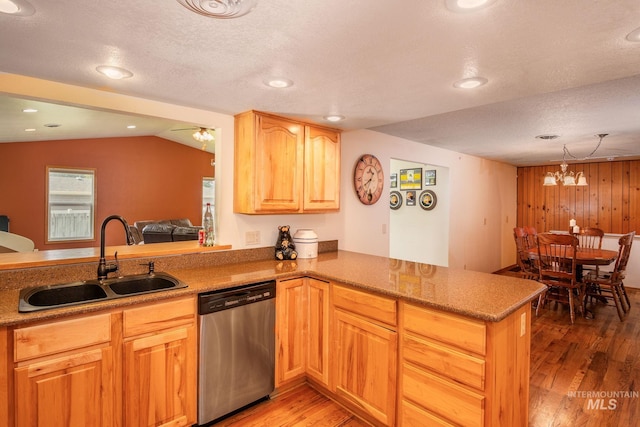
(416, 234)
(482, 197)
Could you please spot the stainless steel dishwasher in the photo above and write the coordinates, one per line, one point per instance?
(237, 349)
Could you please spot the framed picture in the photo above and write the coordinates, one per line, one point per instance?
(429, 177)
(411, 198)
(411, 179)
(394, 180)
(395, 200)
(428, 200)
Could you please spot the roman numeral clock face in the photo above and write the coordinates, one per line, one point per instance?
(368, 179)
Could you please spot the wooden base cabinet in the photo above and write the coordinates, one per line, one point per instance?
(134, 367)
(160, 372)
(365, 344)
(65, 382)
(460, 371)
(302, 330)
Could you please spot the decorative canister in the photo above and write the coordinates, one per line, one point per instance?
(306, 241)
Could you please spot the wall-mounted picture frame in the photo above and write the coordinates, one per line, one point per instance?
(429, 177)
(395, 200)
(428, 200)
(394, 180)
(411, 198)
(411, 179)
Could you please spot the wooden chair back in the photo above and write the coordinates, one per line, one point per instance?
(557, 259)
(590, 237)
(531, 235)
(624, 250)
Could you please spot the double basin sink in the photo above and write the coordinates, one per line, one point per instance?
(52, 296)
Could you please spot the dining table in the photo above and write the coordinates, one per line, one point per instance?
(584, 257)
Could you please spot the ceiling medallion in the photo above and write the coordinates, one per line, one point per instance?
(222, 9)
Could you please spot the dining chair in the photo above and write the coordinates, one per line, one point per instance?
(557, 269)
(531, 235)
(524, 262)
(590, 237)
(609, 285)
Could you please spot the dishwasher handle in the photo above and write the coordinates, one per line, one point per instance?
(224, 300)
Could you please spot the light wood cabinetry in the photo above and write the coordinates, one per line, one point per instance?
(365, 346)
(70, 381)
(284, 166)
(160, 364)
(132, 367)
(460, 371)
(302, 330)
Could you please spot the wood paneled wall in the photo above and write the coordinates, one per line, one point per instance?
(611, 201)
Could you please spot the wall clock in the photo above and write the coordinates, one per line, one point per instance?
(368, 179)
(427, 200)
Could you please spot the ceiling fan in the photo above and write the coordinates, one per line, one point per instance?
(201, 134)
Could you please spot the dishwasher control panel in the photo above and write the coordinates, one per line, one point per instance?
(211, 302)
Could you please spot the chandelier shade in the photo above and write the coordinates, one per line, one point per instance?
(569, 178)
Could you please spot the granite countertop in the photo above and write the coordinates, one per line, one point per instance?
(484, 296)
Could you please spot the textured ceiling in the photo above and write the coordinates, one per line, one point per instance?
(560, 67)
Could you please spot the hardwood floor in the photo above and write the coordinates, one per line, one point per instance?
(302, 406)
(594, 359)
(573, 369)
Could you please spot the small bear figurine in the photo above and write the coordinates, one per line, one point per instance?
(285, 248)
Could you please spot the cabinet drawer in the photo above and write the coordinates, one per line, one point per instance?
(458, 366)
(412, 415)
(458, 331)
(60, 336)
(442, 397)
(158, 316)
(382, 309)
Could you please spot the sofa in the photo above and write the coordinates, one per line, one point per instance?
(166, 230)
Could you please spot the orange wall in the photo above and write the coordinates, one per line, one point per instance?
(139, 178)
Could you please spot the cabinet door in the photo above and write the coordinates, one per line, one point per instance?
(279, 165)
(160, 378)
(318, 330)
(322, 169)
(365, 365)
(291, 315)
(73, 390)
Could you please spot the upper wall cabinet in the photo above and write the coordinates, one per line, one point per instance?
(285, 166)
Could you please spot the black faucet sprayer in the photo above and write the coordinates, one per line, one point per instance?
(103, 268)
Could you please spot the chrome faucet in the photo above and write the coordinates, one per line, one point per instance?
(103, 268)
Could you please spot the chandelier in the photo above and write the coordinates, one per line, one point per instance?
(223, 9)
(203, 136)
(570, 178)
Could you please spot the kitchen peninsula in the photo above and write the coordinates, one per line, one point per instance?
(429, 343)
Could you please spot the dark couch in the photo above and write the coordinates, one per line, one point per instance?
(166, 230)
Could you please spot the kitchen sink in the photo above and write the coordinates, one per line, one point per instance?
(51, 296)
(143, 284)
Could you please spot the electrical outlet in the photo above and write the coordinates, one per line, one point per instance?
(523, 324)
(252, 238)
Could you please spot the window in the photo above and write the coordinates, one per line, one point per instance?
(208, 194)
(70, 204)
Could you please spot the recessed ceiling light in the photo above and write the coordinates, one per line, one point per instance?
(470, 83)
(30, 130)
(334, 118)
(131, 127)
(115, 73)
(29, 110)
(467, 5)
(634, 36)
(278, 82)
(16, 7)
